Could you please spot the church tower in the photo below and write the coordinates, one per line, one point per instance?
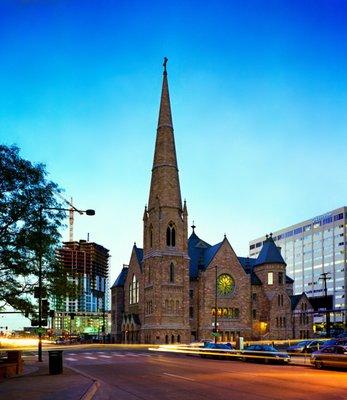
(165, 258)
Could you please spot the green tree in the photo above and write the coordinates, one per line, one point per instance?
(27, 228)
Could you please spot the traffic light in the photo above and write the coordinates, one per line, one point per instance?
(44, 309)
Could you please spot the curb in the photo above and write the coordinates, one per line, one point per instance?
(93, 388)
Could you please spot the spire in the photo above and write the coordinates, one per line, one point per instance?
(165, 118)
(165, 181)
(269, 254)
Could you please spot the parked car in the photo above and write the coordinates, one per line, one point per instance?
(305, 346)
(216, 350)
(61, 340)
(330, 356)
(337, 341)
(264, 353)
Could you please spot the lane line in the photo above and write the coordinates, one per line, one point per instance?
(91, 358)
(179, 376)
(70, 359)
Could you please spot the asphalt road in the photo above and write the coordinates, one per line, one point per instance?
(138, 374)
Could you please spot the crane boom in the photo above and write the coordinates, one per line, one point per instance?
(72, 209)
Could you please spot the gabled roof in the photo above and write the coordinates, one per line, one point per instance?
(269, 254)
(289, 279)
(211, 252)
(139, 254)
(121, 277)
(295, 300)
(200, 253)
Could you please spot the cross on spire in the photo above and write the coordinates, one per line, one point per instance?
(164, 64)
(193, 227)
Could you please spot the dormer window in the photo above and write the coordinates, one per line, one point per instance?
(171, 235)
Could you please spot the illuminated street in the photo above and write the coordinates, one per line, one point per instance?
(140, 374)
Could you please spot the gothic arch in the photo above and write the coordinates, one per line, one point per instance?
(171, 235)
(172, 273)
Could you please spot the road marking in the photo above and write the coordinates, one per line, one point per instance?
(90, 358)
(179, 376)
(72, 354)
(117, 355)
(104, 356)
(70, 359)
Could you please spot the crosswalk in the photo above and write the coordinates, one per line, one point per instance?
(105, 356)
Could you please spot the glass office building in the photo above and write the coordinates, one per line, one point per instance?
(311, 248)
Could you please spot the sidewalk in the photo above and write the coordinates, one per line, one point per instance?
(37, 384)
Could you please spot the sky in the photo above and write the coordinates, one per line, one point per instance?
(258, 94)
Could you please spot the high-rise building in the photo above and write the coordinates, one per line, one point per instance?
(87, 265)
(311, 248)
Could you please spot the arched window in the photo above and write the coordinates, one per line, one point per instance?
(172, 273)
(151, 236)
(134, 291)
(177, 306)
(167, 339)
(171, 235)
(172, 339)
(172, 305)
(178, 339)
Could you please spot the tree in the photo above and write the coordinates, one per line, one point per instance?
(27, 228)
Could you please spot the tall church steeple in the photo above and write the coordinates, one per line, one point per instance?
(165, 187)
(165, 252)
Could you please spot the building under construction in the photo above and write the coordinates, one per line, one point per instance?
(87, 265)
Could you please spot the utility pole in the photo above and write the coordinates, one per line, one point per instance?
(325, 277)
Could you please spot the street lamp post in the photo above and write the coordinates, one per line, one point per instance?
(87, 212)
(215, 306)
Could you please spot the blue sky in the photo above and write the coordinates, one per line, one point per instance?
(259, 99)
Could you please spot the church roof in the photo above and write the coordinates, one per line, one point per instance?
(121, 277)
(201, 254)
(247, 263)
(269, 254)
(294, 300)
(139, 254)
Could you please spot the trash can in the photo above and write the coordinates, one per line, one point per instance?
(55, 362)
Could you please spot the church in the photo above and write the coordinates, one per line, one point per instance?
(179, 289)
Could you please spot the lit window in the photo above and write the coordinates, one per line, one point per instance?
(270, 278)
(134, 291)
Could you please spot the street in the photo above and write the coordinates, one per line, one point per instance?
(140, 374)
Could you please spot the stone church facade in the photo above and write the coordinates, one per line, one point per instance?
(173, 287)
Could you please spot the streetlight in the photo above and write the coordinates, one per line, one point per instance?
(215, 306)
(73, 209)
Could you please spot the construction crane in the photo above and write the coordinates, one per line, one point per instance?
(72, 209)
